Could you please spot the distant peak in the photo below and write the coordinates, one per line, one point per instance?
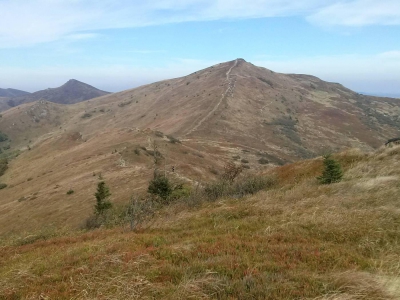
(241, 59)
(72, 81)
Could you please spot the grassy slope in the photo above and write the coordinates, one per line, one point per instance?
(298, 240)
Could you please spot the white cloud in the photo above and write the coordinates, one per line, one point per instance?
(358, 13)
(25, 22)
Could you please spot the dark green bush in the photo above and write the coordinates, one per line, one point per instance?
(3, 186)
(70, 192)
(3, 166)
(160, 186)
(3, 137)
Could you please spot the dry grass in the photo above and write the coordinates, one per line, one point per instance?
(297, 240)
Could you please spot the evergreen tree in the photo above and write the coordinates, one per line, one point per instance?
(102, 195)
(332, 172)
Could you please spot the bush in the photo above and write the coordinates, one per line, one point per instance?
(3, 186)
(3, 137)
(173, 140)
(263, 161)
(240, 188)
(332, 172)
(160, 186)
(70, 192)
(3, 166)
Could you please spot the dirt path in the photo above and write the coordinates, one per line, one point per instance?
(228, 92)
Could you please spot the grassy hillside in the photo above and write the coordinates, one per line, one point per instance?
(295, 240)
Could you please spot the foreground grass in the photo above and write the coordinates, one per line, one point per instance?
(298, 240)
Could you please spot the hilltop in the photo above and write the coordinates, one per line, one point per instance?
(71, 92)
(232, 111)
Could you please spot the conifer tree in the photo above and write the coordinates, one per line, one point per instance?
(102, 194)
(332, 172)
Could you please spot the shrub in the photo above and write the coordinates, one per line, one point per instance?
(332, 172)
(263, 161)
(160, 186)
(159, 134)
(70, 192)
(3, 137)
(3, 166)
(86, 115)
(231, 171)
(240, 188)
(173, 140)
(102, 195)
(3, 186)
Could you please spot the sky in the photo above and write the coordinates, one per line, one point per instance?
(121, 44)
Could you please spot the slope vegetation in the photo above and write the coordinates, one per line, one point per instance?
(296, 240)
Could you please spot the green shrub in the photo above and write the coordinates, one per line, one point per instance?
(70, 192)
(3, 186)
(3, 137)
(86, 115)
(332, 172)
(263, 161)
(160, 186)
(173, 140)
(3, 166)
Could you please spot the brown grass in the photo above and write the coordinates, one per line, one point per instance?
(296, 240)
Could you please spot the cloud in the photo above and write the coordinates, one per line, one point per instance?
(358, 13)
(25, 23)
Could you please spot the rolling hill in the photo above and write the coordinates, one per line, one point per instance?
(232, 111)
(12, 93)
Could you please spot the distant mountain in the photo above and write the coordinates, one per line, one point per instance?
(71, 92)
(389, 95)
(12, 93)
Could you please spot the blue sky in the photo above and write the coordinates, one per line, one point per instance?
(120, 44)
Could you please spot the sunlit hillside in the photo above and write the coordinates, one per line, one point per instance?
(296, 239)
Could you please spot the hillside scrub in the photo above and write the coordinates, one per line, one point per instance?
(3, 166)
(295, 240)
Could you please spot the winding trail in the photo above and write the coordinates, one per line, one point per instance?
(228, 91)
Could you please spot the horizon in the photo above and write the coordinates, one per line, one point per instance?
(121, 45)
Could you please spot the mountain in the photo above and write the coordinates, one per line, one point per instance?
(12, 93)
(71, 92)
(233, 111)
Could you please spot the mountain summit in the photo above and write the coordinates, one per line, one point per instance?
(73, 91)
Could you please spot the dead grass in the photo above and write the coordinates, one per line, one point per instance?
(297, 240)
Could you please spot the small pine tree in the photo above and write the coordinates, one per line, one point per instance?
(332, 172)
(160, 186)
(102, 195)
